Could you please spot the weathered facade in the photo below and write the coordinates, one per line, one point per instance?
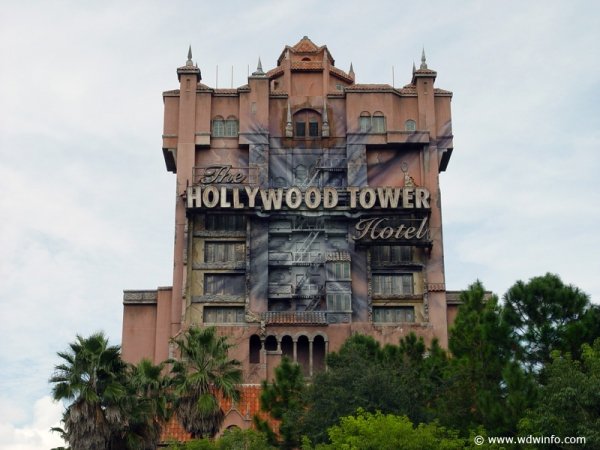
(308, 209)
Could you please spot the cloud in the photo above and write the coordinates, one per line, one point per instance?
(35, 435)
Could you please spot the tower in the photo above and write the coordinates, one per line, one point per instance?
(307, 209)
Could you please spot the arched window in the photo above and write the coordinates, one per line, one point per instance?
(254, 349)
(378, 123)
(410, 125)
(218, 126)
(287, 347)
(318, 354)
(271, 343)
(231, 126)
(364, 122)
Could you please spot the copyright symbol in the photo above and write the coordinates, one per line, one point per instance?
(478, 440)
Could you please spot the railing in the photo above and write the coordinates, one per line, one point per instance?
(295, 317)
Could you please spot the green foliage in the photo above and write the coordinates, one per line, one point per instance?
(570, 400)
(545, 315)
(395, 379)
(284, 400)
(484, 387)
(92, 378)
(234, 439)
(368, 431)
(203, 371)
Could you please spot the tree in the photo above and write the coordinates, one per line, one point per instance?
(545, 315)
(571, 398)
(284, 400)
(92, 378)
(203, 373)
(482, 376)
(377, 431)
(148, 400)
(402, 379)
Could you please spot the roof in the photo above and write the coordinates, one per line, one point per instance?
(248, 406)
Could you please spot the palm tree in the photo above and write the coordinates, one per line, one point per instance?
(148, 407)
(92, 378)
(203, 372)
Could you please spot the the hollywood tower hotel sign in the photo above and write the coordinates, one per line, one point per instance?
(308, 208)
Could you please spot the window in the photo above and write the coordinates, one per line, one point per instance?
(390, 254)
(378, 124)
(254, 349)
(307, 121)
(410, 125)
(224, 284)
(365, 122)
(394, 314)
(231, 126)
(218, 129)
(390, 284)
(339, 302)
(340, 270)
(215, 252)
(220, 222)
(300, 129)
(226, 314)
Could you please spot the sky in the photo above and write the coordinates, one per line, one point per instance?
(87, 206)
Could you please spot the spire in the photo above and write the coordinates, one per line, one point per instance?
(189, 61)
(423, 60)
(259, 70)
(351, 71)
(190, 67)
(289, 130)
(325, 128)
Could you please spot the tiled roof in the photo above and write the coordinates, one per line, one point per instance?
(369, 87)
(248, 406)
(305, 45)
(274, 72)
(340, 73)
(307, 65)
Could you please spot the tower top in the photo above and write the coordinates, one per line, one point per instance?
(190, 68)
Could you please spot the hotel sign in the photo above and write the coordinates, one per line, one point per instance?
(221, 188)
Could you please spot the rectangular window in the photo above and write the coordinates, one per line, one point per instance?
(394, 314)
(221, 222)
(300, 129)
(339, 302)
(313, 129)
(218, 128)
(390, 284)
(391, 254)
(225, 284)
(227, 314)
(340, 271)
(215, 252)
(231, 127)
(365, 124)
(378, 124)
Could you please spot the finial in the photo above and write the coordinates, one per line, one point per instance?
(423, 59)
(259, 69)
(351, 71)
(189, 61)
(414, 68)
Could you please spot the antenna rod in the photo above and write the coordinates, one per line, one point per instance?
(393, 79)
(232, 77)
(217, 85)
